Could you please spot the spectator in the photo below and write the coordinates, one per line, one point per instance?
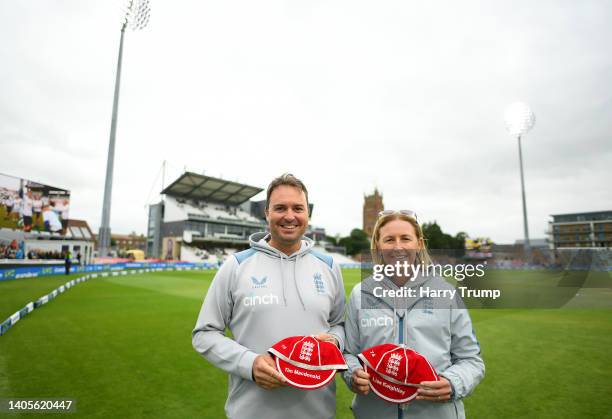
(67, 261)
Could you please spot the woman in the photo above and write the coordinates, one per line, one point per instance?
(439, 329)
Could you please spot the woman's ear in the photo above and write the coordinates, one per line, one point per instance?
(421, 243)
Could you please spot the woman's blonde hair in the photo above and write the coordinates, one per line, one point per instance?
(422, 253)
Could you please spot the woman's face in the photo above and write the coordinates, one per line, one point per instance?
(398, 242)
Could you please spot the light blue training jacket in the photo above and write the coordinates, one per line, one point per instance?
(263, 296)
(440, 330)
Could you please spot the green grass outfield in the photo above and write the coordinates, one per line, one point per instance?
(121, 347)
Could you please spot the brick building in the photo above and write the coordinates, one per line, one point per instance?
(579, 230)
(372, 205)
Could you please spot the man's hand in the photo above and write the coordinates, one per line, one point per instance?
(361, 382)
(265, 373)
(326, 337)
(435, 391)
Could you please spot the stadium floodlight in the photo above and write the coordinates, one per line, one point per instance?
(135, 15)
(519, 121)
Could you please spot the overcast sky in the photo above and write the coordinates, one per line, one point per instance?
(351, 95)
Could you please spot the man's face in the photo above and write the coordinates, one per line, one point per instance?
(287, 215)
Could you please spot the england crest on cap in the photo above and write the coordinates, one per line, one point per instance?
(307, 362)
(396, 371)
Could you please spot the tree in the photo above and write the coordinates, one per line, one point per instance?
(357, 242)
(438, 240)
(332, 240)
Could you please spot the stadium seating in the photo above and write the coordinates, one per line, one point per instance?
(211, 211)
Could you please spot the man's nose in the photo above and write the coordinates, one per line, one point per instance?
(289, 215)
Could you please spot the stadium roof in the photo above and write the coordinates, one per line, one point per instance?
(205, 188)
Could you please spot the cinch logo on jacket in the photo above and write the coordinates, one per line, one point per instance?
(376, 321)
(268, 299)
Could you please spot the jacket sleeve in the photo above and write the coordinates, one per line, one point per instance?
(352, 348)
(208, 337)
(336, 316)
(467, 369)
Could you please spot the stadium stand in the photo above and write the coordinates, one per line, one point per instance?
(201, 212)
(205, 219)
(338, 258)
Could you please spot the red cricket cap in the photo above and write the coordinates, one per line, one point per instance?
(396, 371)
(307, 362)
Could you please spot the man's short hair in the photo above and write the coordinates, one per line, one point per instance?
(286, 179)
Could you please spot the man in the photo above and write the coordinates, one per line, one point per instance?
(278, 288)
(37, 205)
(67, 261)
(16, 214)
(64, 214)
(9, 202)
(26, 211)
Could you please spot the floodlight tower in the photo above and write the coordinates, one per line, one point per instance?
(519, 120)
(135, 15)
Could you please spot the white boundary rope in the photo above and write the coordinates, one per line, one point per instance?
(31, 306)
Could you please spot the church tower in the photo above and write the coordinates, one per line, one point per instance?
(372, 205)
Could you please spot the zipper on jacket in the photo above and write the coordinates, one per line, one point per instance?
(400, 412)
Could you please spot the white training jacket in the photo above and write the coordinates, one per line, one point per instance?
(264, 296)
(440, 330)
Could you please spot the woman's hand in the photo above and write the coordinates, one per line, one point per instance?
(361, 382)
(435, 391)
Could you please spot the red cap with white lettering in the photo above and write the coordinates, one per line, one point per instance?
(396, 371)
(307, 362)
